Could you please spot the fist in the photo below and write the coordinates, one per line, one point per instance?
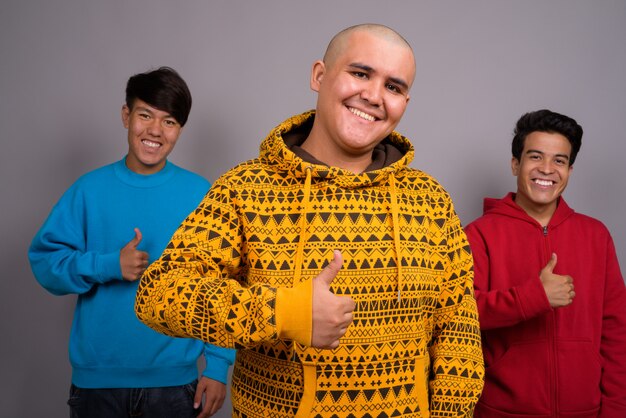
(132, 261)
(332, 314)
(559, 288)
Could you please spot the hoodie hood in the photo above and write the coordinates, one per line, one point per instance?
(507, 207)
(276, 150)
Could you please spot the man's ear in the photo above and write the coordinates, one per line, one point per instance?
(515, 166)
(317, 74)
(125, 116)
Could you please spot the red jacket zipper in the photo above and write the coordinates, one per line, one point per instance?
(552, 334)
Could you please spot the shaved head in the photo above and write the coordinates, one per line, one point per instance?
(340, 41)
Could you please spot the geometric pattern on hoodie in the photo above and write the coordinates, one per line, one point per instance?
(414, 344)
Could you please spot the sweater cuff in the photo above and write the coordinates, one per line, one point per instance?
(109, 267)
(216, 369)
(294, 313)
(218, 360)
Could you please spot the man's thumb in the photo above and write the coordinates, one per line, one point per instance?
(552, 263)
(330, 271)
(137, 239)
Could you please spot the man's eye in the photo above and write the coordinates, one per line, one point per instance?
(144, 116)
(393, 88)
(359, 74)
(170, 123)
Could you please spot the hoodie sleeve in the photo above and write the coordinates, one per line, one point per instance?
(613, 344)
(198, 287)
(507, 306)
(58, 255)
(456, 355)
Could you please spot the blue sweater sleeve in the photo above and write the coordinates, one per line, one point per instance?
(218, 360)
(58, 255)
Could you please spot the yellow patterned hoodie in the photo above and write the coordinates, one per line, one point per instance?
(238, 273)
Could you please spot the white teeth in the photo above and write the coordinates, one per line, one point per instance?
(150, 143)
(362, 114)
(544, 182)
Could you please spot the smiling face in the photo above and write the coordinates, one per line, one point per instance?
(362, 94)
(152, 134)
(542, 173)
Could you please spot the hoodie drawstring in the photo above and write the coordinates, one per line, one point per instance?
(300, 250)
(305, 209)
(396, 230)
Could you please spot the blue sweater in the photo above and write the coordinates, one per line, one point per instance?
(77, 251)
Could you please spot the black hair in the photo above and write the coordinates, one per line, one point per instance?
(546, 121)
(163, 89)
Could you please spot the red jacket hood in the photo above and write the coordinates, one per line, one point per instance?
(507, 207)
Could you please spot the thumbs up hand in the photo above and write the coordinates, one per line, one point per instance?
(332, 314)
(559, 289)
(132, 261)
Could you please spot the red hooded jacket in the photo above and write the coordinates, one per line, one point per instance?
(540, 361)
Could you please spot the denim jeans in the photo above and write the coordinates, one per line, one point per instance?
(163, 402)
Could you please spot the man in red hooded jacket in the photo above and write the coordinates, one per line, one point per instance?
(550, 294)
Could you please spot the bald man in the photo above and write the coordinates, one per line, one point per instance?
(341, 274)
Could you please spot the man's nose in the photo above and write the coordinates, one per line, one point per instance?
(155, 128)
(546, 166)
(373, 93)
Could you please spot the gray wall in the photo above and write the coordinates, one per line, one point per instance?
(481, 64)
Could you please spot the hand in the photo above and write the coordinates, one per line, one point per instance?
(132, 261)
(559, 289)
(214, 393)
(331, 314)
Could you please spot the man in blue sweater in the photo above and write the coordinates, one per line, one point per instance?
(96, 243)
